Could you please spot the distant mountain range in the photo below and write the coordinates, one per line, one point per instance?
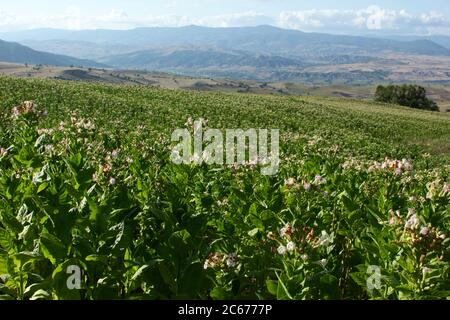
(262, 39)
(262, 53)
(439, 39)
(203, 61)
(17, 53)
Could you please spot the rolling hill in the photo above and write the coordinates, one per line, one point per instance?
(202, 61)
(441, 40)
(438, 92)
(262, 39)
(17, 53)
(89, 179)
(263, 53)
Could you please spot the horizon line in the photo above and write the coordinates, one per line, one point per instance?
(362, 34)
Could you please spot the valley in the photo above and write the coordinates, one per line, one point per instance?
(438, 92)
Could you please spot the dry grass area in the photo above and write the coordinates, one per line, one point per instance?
(399, 68)
(439, 93)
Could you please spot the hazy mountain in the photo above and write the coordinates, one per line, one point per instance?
(262, 53)
(14, 52)
(439, 39)
(79, 49)
(262, 39)
(192, 58)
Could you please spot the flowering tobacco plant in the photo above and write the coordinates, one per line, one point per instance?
(92, 207)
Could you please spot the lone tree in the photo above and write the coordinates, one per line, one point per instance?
(406, 95)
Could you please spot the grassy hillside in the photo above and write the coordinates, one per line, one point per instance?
(385, 127)
(91, 184)
(439, 93)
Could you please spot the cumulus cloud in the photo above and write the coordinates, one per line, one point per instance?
(73, 19)
(370, 19)
(249, 18)
(7, 20)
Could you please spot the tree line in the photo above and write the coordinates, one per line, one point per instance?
(412, 96)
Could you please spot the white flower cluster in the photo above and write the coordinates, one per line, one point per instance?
(112, 181)
(425, 231)
(286, 231)
(319, 180)
(325, 239)
(220, 260)
(48, 148)
(290, 183)
(3, 152)
(399, 167)
(46, 131)
(434, 189)
(413, 222)
(353, 163)
(115, 154)
(396, 217)
(290, 247)
(82, 124)
(231, 260)
(446, 188)
(25, 108)
(314, 141)
(426, 271)
(307, 186)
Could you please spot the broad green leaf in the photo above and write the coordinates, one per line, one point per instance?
(52, 248)
(41, 295)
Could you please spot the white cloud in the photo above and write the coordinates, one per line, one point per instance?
(371, 19)
(249, 18)
(6, 20)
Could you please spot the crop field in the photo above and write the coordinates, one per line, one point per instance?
(359, 208)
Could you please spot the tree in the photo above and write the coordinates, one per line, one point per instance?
(412, 96)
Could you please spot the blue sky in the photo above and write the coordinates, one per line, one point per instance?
(350, 16)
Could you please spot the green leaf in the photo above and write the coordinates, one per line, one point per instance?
(97, 258)
(349, 204)
(23, 258)
(52, 248)
(253, 232)
(98, 217)
(6, 240)
(23, 216)
(360, 278)
(11, 223)
(282, 290)
(168, 277)
(106, 289)
(138, 274)
(272, 287)
(6, 290)
(329, 286)
(42, 187)
(75, 160)
(3, 265)
(219, 293)
(41, 295)
(192, 281)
